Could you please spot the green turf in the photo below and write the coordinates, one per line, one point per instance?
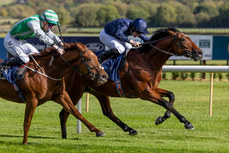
(211, 134)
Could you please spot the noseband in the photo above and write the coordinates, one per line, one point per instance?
(89, 73)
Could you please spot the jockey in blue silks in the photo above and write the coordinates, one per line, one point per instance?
(115, 36)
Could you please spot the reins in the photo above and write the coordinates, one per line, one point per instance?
(42, 73)
(77, 67)
(161, 50)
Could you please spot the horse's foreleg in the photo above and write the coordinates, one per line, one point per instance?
(153, 96)
(66, 102)
(29, 111)
(63, 115)
(171, 96)
(107, 111)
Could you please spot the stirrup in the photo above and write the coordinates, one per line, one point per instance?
(2, 69)
(1, 75)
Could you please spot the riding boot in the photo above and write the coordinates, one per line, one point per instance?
(112, 53)
(13, 61)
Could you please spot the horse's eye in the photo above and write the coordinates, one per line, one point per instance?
(182, 39)
(88, 59)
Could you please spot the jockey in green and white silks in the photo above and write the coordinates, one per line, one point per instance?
(35, 26)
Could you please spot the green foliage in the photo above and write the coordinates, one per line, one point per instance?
(163, 13)
(164, 76)
(87, 15)
(106, 14)
(192, 75)
(137, 12)
(184, 75)
(175, 75)
(64, 16)
(227, 75)
(220, 76)
(165, 16)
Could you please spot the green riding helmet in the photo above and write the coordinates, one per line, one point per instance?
(50, 16)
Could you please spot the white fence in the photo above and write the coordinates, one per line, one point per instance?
(210, 69)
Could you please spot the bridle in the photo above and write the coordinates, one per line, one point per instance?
(178, 43)
(89, 69)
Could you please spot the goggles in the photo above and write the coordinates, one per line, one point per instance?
(50, 25)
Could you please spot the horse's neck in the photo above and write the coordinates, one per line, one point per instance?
(53, 67)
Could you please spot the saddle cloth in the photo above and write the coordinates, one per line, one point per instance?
(112, 66)
(14, 73)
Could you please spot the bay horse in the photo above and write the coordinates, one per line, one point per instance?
(140, 77)
(43, 80)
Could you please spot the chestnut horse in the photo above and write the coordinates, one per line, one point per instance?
(43, 80)
(139, 77)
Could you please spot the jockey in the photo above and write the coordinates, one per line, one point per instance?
(35, 26)
(115, 36)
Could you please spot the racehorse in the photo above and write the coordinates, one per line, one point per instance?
(140, 77)
(43, 80)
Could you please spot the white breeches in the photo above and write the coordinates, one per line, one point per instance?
(19, 48)
(112, 42)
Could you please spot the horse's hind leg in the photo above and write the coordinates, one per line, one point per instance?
(107, 111)
(171, 96)
(63, 115)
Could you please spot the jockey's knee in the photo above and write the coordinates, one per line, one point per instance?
(25, 59)
(120, 49)
(128, 46)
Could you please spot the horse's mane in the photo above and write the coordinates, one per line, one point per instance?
(157, 35)
(51, 50)
(161, 33)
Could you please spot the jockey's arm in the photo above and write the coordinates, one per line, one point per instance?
(54, 37)
(41, 35)
(144, 37)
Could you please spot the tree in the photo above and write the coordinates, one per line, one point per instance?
(3, 12)
(137, 12)
(223, 15)
(207, 8)
(63, 15)
(184, 15)
(87, 15)
(165, 16)
(107, 13)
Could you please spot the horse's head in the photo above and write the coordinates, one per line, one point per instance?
(89, 64)
(183, 45)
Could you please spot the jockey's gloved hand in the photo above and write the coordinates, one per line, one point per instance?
(61, 44)
(60, 50)
(135, 43)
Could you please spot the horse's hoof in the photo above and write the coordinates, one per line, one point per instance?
(133, 132)
(100, 134)
(189, 126)
(158, 120)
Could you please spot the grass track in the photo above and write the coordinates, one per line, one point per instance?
(211, 134)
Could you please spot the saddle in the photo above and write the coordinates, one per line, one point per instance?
(112, 66)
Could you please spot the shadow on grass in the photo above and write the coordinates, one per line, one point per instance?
(37, 137)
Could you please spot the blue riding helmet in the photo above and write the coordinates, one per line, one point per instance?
(140, 25)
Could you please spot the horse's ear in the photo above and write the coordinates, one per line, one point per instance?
(171, 33)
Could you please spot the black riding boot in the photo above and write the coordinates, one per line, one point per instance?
(13, 61)
(112, 53)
